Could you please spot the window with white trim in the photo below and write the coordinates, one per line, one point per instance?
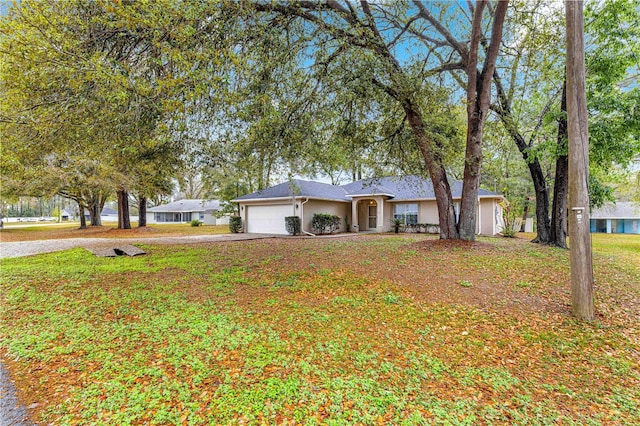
(407, 213)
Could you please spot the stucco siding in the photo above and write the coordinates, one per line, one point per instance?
(487, 216)
(428, 212)
(318, 206)
(387, 216)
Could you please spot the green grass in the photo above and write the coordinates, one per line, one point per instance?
(231, 333)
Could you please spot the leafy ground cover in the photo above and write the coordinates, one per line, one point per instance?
(11, 232)
(381, 329)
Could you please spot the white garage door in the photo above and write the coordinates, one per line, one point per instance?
(268, 219)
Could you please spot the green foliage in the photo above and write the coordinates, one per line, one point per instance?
(325, 223)
(235, 224)
(396, 223)
(106, 88)
(511, 222)
(195, 222)
(292, 224)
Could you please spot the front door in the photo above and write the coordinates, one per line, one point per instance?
(373, 217)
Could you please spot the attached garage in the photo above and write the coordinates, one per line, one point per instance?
(267, 219)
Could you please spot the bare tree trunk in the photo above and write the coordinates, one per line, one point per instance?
(95, 209)
(478, 97)
(142, 211)
(83, 220)
(123, 209)
(558, 234)
(441, 188)
(580, 250)
(525, 213)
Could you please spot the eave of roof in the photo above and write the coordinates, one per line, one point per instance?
(296, 197)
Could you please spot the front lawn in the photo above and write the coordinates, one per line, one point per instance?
(380, 329)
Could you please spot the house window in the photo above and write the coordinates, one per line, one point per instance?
(201, 216)
(407, 213)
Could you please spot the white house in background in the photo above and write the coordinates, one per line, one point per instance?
(184, 211)
(107, 215)
(366, 205)
(622, 217)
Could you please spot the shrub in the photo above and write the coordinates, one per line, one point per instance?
(395, 224)
(511, 224)
(325, 223)
(235, 224)
(292, 223)
(195, 222)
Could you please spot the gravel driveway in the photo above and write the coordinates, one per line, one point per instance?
(27, 248)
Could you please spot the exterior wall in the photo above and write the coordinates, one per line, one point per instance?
(387, 215)
(311, 207)
(428, 212)
(224, 220)
(486, 217)
(615, 226)
(208, 218)
(111, 218)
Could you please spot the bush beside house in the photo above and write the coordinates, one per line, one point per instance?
(235, 224)
(325, 223)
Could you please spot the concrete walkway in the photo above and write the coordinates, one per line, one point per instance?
(28, 248)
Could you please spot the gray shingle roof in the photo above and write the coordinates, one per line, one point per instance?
(106, 211)
(187, 206)
(399, 188)
(619, 210)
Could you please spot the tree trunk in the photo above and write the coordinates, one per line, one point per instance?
(471, 180)
(142, 211)
(535, 170)
(83, 220)
(441, 188)
(123, 209)
(95, 209)
(525, 213)
(478, 97)
(542, 202)
(558, 230)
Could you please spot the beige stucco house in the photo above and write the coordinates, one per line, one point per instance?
(364, 205)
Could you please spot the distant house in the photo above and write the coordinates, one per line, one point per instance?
(186, 210)
(622, 217)
(66, 216)
(365, 205)
(107, 215)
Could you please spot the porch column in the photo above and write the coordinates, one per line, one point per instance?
(608, 226)
(354, 216)
(380, 219)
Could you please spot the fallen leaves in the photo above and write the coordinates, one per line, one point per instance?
(259, 332)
